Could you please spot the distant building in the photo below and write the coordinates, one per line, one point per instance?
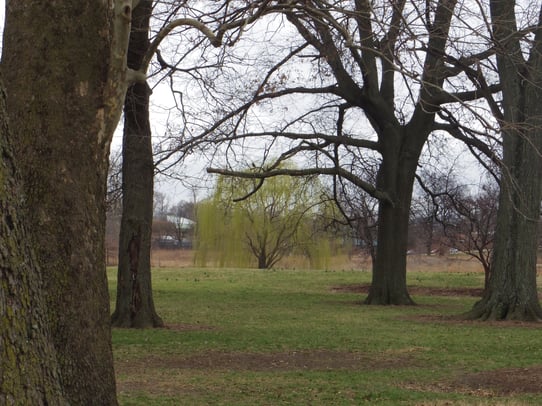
(180, 222)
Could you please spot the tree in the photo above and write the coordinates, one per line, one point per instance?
(466, 219)
(65, 73)
(134, 304)
(365, 56)
(512, 292)
(267, 222)
(114, 183)
(474, 232)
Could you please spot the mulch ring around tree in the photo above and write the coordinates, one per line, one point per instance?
(435, 318)
(414, 290)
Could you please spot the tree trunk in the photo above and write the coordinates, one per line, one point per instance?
(262, 260)
(389, 286)
(512, 292)
(135, 305)
(28, 366)
(64, 71)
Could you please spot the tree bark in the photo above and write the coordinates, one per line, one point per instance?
(64, 69)
(512, 292)
(396, 176)
(29, 370)
(134, 303)
(262, 260)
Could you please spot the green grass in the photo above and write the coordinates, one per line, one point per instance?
(406, 357)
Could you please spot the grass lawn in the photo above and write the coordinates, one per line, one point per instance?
(296, 337)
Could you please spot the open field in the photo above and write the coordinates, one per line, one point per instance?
(163, 258)
(299, 337)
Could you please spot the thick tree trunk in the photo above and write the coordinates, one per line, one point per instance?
(28, 367)
(389, 285)
(134, 304)
(511, 292)
(401, 146)
(65, 83)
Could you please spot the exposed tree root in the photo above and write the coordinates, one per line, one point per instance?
(495, 309)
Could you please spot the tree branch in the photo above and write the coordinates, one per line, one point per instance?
(366, 186)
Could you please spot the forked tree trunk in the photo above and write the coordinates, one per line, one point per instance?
(65, 81)
(28, 367)
(134, 304)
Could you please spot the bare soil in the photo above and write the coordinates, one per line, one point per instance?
(148, 374)
(501, 382)
(277, 361)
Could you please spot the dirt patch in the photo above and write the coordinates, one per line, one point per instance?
(504, 381)
(294, 360)
(157, 372)
(414, 290)
(279, 361)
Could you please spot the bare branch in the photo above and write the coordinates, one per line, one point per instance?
(366, 186)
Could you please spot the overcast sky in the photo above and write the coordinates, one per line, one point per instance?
(174, 190)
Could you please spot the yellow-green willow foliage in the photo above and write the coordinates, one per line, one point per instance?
(283, 217)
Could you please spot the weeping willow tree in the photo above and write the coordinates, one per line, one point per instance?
(251, 224)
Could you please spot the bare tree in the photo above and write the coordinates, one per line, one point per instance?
(211, 21)
(114, 183)
(466, 218)
(338, 87)
(134, 305)
(185, 209)
(424, 224)
(359, 211)
(512, 292)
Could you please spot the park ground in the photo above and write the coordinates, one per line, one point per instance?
(302, 337)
